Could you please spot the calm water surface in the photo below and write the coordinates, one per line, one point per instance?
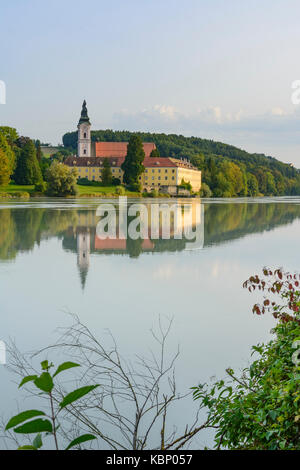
(51, 263)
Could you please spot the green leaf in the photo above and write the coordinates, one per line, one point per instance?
(29, 378)
(37, 425)
(46, 366)
(65, 366)
(38, 441)
(44, 382)
(21, 417)
(76, 394)
(81, 439)
(27, 448)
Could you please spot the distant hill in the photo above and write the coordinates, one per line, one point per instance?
(265, 175)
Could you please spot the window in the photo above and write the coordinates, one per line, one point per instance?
(166, 171)
(84, 151)
(84, 135)
(173, 177)
(166, 177)
(159, 177)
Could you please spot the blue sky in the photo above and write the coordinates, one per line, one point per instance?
(219, 69)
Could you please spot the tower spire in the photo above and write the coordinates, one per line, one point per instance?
(84, 133)
(84, 114)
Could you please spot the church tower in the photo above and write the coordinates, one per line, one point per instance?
(84, 133)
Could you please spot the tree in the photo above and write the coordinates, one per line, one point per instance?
(7, 149)
(39, 153)
(155, 153)
(133, 164)
(5, 170)
(61, 180)
(205, 190)
(27, 170)
(252, 185)
(106, 175)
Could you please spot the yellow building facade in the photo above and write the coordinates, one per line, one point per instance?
(158, 172)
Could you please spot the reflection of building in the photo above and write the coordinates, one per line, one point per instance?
(83, 253)
(159, 172)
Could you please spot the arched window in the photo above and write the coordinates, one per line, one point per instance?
(84, 151)
(84, 135)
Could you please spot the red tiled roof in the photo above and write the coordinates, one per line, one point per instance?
(119, 149)
(149, 162)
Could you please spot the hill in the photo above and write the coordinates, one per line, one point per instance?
(227, 170)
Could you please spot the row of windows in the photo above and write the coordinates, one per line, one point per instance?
(119, 170)
(166, 178)
(159, 170)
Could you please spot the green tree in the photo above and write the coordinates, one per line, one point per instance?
(252, 185)
(27, 170)
(205, 190)
(39, 153)
(133, 164)
(155, 153)
(5, 170)
(61, 180)
(7, 149)
(271, 186)
(106, 176)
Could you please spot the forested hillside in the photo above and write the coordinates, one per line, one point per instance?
(227, 170)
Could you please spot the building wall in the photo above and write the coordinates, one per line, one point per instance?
(152, 177)
(84, 140)
(192, 176)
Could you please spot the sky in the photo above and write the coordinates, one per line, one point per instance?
(217, 69)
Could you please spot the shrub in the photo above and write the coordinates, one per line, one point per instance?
(41, 187)
(61, 180)
(120, 190)
(205, 190)
(260, 409)
(135, 187)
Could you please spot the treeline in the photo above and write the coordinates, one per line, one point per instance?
(23, 163)
(227, 171)
(20, 159)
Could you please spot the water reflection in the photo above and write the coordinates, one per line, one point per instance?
(22, 228)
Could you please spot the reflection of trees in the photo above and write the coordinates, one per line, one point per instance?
(21, 229)
(225, 222)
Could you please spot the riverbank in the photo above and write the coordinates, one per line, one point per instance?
(13, 191)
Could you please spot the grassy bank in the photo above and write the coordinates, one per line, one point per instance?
(26, 191)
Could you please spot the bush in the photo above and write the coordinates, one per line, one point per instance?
(205, 190)
(41, 187)
(120, 190)
(61, 180)
(260, 409)
(135, 187)
(116, 182)
(15, 195)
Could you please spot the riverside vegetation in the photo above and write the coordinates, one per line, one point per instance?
(226, 170)
(256, 409)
